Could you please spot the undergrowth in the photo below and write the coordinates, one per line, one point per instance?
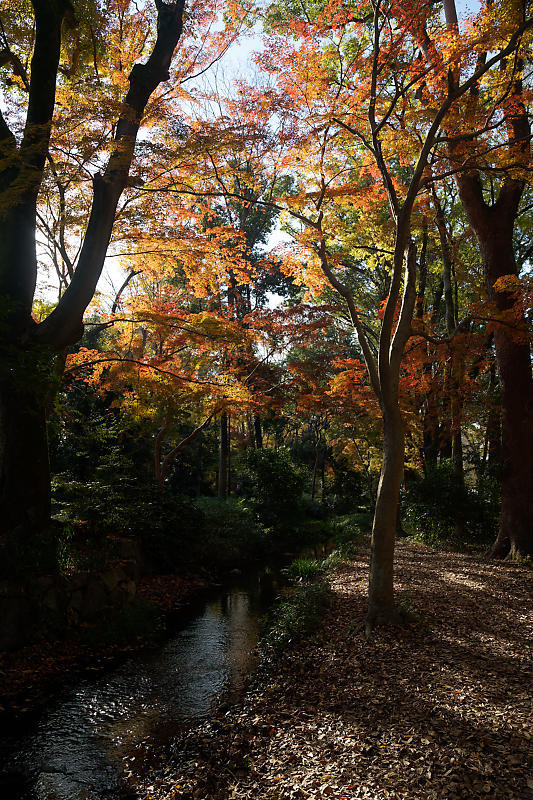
(297, 614)
(302, 605)
(306, 568)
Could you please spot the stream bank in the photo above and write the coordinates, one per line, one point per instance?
(31, 675)
(102, 734)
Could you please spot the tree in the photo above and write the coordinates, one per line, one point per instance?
(29, 348)
(355, 90)
(493, 221)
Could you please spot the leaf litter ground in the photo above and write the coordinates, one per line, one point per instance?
(440, 708)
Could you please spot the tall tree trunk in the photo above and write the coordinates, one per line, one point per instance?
(430, 410)
(493, 454)
(258, 432)
(223, 458)
(228, 487)
(24, 470)
(445, 427)
(493, 226)
(454, 367)
(315, 472)
(158, 472)
(323, 472)
(251, 432)
(381, 592)
(515, 536)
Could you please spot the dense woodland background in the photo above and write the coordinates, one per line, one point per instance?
(320, 309)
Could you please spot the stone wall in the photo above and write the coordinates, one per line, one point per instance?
(28, 611)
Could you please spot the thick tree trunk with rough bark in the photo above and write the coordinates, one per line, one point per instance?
(25, 485)
(515, 537)
(493, 226)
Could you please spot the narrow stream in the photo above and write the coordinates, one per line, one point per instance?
(103, 730)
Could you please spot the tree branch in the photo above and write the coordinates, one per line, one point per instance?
(65, 324)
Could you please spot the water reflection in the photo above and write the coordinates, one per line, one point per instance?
(82, 745)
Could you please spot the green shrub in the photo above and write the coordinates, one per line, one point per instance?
(296, 614)
(312, 509)
(433, 505)
(230, 533)
(347, 491)
(174, 532)
(166, 526)
(305, 568)
(273, 485)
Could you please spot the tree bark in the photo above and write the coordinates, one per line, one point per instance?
(223, 458)
(493, 226)
(381, 608)
(492, 455)
(515, 536)
(258, 432)
(25, 484)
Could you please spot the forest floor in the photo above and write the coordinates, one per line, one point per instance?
(440, 708)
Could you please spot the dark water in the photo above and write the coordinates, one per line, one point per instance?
(102, 731)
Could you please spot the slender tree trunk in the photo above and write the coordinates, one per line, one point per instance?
(251, 432)
(158, 472)
(315, 472)
(258, 432)
(454, 368)
(323, 472)
(445, 428)
(381, 592)
(228, 487)
(400, 532)
(430, 423)
(223, 458)
(430, 432)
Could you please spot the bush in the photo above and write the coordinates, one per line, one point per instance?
(347, 491)
(305, 568)
(297, 614)
(230, 533)
(174, 532)
(273, 485)
(312, 509)
(166, 526)
(433, 505)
